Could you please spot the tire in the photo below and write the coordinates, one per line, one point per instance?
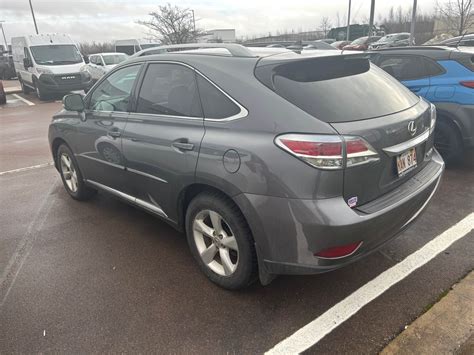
(448, 142)
(242, 269)
(24, 89)
(40, 93)
(72, 177)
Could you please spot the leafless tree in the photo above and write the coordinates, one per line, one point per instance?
(325, 25)
(88, 48)
(457, 14)
(172, 24)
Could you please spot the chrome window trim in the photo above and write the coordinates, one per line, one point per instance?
(243, 111)
(400, 148)
(146, 205)
(146, 175)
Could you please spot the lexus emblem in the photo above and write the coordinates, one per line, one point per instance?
(412, 128)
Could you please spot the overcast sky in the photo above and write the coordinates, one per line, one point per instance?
(107, 20)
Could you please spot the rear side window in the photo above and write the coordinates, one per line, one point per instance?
(409, 67)
(214, 103)
(169, 89)
(337, 88)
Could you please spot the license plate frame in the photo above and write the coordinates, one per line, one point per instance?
(406, 161)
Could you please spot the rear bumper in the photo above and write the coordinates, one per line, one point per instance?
(47, 83)
(288, 232)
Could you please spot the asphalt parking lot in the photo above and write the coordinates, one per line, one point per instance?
(103, 276)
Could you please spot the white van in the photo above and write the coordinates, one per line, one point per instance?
(49, 63)
(132, 46)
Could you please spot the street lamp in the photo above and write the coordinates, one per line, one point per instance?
(34, 20)
(349, 22)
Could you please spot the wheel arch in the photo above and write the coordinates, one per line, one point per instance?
(54, 149)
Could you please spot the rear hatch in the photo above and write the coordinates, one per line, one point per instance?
(358, 99)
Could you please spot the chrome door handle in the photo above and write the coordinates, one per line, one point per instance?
(183, 145)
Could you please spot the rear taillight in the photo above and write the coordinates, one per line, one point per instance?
(328, 151)
(468, 84)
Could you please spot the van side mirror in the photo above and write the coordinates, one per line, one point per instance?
(74, 102)
(27, 63)
(86, 59)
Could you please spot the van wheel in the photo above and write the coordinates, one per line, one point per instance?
(220, 241)
(24, 89)
(40, 93)
(71, 175)
(447, 141)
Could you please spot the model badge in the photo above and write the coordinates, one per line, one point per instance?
(352, 202)
(412, 128)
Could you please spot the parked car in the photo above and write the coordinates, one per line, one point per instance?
(7, 68)
(3, 95)
(392, 40)
(464, 41)
(276, 45)
(340, 44)
(362, 43)
(49, 63)
(134, 45)
(273, 168)
(445, 77)
(101, 63)
(319, 44)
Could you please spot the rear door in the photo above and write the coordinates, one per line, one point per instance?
(409, 69)
(162, 138)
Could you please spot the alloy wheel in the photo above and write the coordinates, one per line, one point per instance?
(69, 172)
(215, 242)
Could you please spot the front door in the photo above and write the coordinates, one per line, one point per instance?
(98, 141)
(162, 138)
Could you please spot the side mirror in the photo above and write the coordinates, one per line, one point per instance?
(74, 102)
(86, 59)
(27, 63)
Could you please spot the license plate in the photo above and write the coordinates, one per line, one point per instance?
(406, 161)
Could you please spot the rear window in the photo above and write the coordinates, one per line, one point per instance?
(337, 89)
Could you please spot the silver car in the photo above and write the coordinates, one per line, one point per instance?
(271, 163)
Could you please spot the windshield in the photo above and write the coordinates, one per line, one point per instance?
(111, 59)
(55, 54)
(361, 40)
(150, 45)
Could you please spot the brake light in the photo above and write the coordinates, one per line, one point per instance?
(320, 151)
(339, 251)
(328, 151)
(468, 84)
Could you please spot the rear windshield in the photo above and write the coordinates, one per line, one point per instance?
(337, 88)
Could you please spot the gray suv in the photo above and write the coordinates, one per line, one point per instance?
(271, 163)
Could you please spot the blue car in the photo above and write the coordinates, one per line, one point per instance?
(445, 77)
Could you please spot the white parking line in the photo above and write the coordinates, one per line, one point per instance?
(313, 332)
(29, 103)
(27, 168)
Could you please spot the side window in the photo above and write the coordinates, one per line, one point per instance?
(92, 59)
(27, 53)
(214, 103)
(403, 67)
(432, 68)
(113, 94)
(169, 89)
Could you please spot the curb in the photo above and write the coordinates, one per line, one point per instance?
(12, 90)
(446, 328)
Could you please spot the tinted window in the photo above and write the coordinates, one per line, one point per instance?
(431, 67)
(110, 59)
(337, 89)
(403, 67)
(169, 89)
(113, 94)
(214, 103)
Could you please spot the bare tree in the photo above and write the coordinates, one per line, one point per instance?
(172, 24)
(325, 25)
(458, 15)
(88, 48)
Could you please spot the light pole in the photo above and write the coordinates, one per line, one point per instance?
(194, 22)
(4, 37)
(349, 22)
(371, 20)
(412, 25)
(34, 20)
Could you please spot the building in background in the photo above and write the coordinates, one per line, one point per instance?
(226, 35)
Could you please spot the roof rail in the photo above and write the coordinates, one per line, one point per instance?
(236, 50)
(431, 47)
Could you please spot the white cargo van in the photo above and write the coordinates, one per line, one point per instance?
(49, 63)
(132, 46)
